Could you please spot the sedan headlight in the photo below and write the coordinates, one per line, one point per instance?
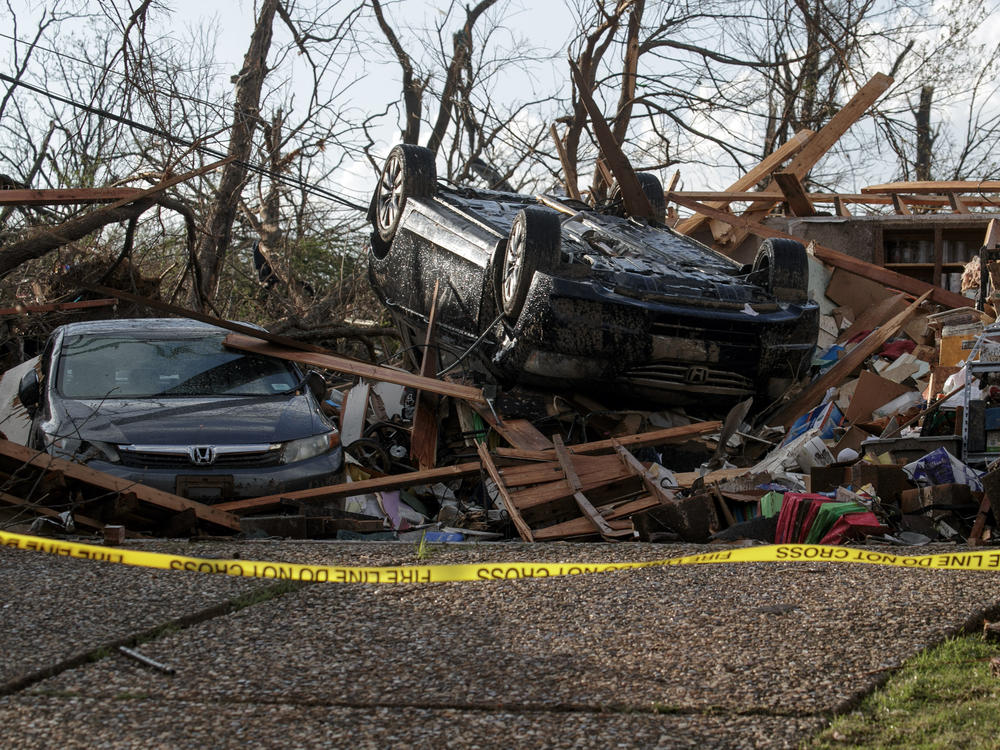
(300, 450)
(81, 451)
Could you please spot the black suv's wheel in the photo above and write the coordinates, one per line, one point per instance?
(409, 172)
(787, 269)
(653, 189)
(533, 245)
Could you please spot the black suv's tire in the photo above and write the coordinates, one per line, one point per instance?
(787, 267)
(653, 189)
(409, 172)
(533, 245)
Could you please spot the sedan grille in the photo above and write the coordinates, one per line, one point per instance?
(181, 457)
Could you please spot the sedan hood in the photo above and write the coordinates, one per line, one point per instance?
(195, 421)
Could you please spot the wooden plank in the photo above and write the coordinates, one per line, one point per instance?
(844, 367)
(818, 145)
(66, 196)
(884, 276)
(542, 494)
(353, 367)
(551, 471)
(80, 473)
(899, 205)
(515, 514)
(348, 489)
(686, 479)
(566, 462)
(767, 165)
(928, 187)
(642, 439)
(57, 306)
(840, 207)
(424, 435)
(795, 194)
(634, 199)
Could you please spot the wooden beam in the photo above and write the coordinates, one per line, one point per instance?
(795, 194)
(512, 510)
(886, 276)
(833, 377)
(992, 239)
(582, 527)
(86, 475)
(768, 164)
(67, 196)
(818, 145)
(878, 199)
(635, 200)
(649, 482)
(900, 205)
(840, 207)
(354, 367)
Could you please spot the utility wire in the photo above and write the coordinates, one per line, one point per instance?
(308, 187)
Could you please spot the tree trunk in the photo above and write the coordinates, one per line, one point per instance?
(214, 242)
(925, 141)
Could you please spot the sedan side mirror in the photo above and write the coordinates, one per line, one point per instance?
(316, 384)
(29, 391)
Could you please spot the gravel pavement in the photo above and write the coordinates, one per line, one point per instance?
(737, 655)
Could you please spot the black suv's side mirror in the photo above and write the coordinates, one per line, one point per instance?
(29, 391)
(316, 384)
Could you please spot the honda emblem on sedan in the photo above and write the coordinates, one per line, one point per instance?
(202, 454)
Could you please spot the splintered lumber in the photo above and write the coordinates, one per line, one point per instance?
(771, 162)
(566, 462)
(818, 145)
(348, 489)
(642, 439)
(885, 276)
(515, 515)
(811, 396)
(635, 200)
(115, 485)
(354, 367)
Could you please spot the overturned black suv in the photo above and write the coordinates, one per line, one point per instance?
(555, 293)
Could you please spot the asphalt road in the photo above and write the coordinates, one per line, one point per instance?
(728, 656)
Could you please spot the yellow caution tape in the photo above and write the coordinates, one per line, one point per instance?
(491, 571)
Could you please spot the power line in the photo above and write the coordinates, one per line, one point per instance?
(302, 184)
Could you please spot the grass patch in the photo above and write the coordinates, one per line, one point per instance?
(945, 697)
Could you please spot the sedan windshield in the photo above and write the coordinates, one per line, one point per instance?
(115, 366)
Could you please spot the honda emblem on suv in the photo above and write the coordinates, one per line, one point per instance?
(202, 454)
